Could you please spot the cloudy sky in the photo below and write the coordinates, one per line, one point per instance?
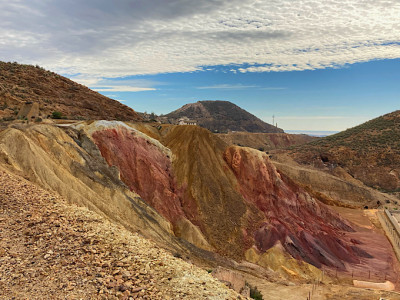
(315, 65)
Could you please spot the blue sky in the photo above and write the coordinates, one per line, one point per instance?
(327, 99)
(314, 64)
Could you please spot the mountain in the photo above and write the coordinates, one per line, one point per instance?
(369, 152)
(20, 84)
(221, 116)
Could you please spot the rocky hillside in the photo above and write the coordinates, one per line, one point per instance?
(180, 186)
(52, 250)
(25, 83)
(369, 152)
(221, 116)
(186, 189)
(265, 141)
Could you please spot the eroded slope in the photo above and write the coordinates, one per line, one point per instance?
(72, 166)
(231, 200)
(51, 250)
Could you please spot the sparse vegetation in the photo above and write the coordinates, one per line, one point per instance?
(255, 293)
(372, 146)
(56, 115)
(20, 83)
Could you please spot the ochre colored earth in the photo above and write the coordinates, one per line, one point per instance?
(227, 199)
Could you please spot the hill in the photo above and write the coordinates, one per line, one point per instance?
(24, 83)
(221, 116)
(265, 141)
(369, 152)
(183, 188)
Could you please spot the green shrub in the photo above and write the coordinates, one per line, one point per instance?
(255, 293)
(56, 115)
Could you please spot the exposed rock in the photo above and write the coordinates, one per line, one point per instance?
(145, 166)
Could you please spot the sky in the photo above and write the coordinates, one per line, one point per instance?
(315, 65)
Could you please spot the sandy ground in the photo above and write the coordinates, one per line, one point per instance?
(293, 291)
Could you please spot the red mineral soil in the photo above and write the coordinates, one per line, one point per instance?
(383, 265)
(144, 168)
(307, 229)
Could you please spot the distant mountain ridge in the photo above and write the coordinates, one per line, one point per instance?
(369, 152)
(25, 83)
(221, 116)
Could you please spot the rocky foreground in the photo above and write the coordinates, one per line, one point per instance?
(49, 249)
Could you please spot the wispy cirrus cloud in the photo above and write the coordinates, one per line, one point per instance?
(238, 87)
(227, 87)
(120, 88)
(105, 85)
(99, 38)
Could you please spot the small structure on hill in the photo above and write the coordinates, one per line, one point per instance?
(29, 110)
(186, 121)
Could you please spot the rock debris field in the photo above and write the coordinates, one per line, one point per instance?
(51, 250)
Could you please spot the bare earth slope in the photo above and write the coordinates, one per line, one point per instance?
(265, 141)
(51, 250)
(21, 83)
(334, 190)
(231, 200)
(74, 168)
(221, 116)
(369, 152)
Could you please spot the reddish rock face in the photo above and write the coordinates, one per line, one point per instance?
(144, 168)
(308, 230)
(232, 195)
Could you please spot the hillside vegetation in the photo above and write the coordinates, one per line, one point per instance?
(221, 116)
(54, 93)
(369, 152)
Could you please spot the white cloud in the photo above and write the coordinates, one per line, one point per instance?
(121, 88)
(99, 38)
